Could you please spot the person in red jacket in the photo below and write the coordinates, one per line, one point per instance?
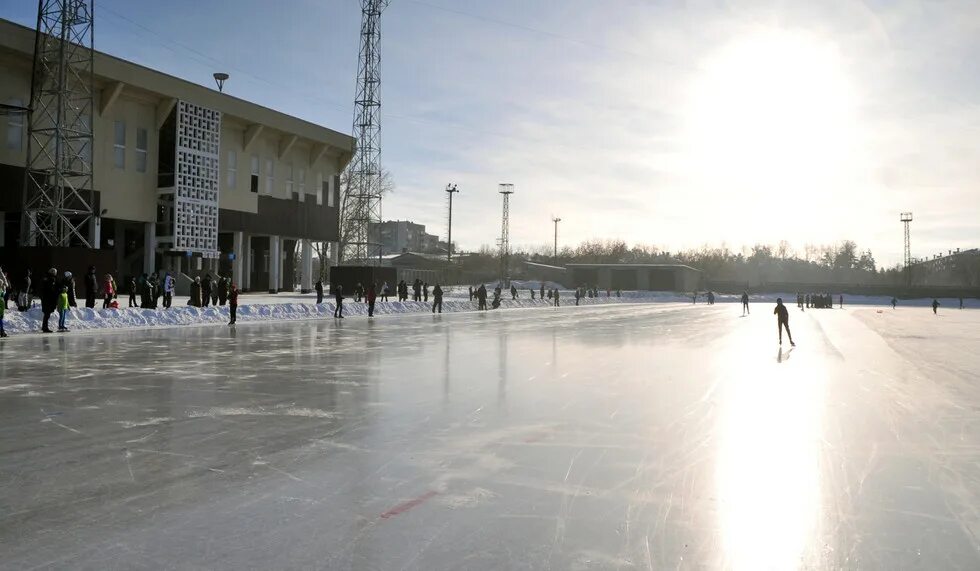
(233, 303)
(372, 295)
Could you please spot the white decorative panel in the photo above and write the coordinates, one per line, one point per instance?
(196, 180)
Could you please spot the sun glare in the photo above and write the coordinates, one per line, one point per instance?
(772, 118)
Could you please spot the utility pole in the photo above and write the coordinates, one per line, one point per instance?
(506, 190)
(556, 220)
(450, 190)
(906, 219)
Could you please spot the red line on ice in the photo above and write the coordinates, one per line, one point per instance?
(404, 507)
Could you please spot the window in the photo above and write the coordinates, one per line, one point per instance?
(15, 127)
(140, 150)
(289, 180)
(332, 191)
(302, 185)
(253, 183)
(232, 169)
(270, 176)
(319, 189)
(119, 145)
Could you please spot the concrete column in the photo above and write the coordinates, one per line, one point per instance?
(281, 260)
(247, 262)
(275, 250)
(307, 271)
(149, 246)
(238, 242)
(95, 232)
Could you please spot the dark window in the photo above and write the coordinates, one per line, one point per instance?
(254, 185)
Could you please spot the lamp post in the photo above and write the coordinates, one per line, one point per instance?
(220, 78)
(556, 220)
(450, 190)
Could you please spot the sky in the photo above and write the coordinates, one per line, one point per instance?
(668, 124)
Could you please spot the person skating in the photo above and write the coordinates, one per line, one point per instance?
(935, 306)
(206, 289)
(513, 292)
(531, 289)
(425, 292)
(195, 300)
(496, 298)
(223, 283)
(894, 303)
(91, 287)
(841, 301)
(745, 303)
(338, 293)
(49, 297)
(782, 321)
(417, 290)
(961, 303)
(169, 284)
(557, 303)
(319, 291)
(233, 304)
(481, 296)
(108, 291)
(711, 298)
(63, 309)
(578, 294)
(437, 298)
(694, 297)
(372, 297)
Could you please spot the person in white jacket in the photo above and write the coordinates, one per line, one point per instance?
(168, 290)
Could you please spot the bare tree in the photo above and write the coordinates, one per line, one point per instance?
(386, 185)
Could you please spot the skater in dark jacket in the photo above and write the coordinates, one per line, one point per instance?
(206, 289)
(319, 291)
(437, 298)
(481, 297)
(91, 287)
(425, 292)
(69, 284)
(233, 304)
(195, 300)
(132, 292)
(223, 283)
(513, 292)
(935, 306)
(894, 303)
(745, 302)
(371, 296)
(557, 303)
(49, 297)
(782, 320)
(338, 293)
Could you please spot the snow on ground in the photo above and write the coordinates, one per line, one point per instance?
(297, 306)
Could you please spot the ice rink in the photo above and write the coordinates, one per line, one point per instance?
(632, 436)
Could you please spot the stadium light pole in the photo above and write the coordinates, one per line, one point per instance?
(450, 190)
(556, 220)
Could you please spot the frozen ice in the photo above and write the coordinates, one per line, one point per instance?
(622, 436)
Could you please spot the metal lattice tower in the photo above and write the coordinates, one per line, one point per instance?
(906, 219)
(58, 179)
(506, 190)
(362, 197)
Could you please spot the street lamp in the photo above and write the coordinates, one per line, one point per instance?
(219, 78)
(556, 220)
(450, 190)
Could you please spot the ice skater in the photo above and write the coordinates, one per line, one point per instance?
(49, 297)
(935, 306)
(437, 298)
(961, 303)
(840, 300)
(233, 304)
(557, 303)
(894, 303)
(63, 310)
(338, 311)
(782, 320)
(513, 291)
(372, 297)
(319, 291)
(745, 303)
(169, 284)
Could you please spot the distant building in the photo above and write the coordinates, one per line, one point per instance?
(655, 277)
(400, 236)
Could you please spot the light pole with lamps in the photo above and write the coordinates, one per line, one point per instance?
(450, 190)
(556, 220)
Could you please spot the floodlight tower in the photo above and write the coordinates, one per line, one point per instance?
(906, 218)
(361, 204)
(505, 189)
(450, 190)
(58, 202)
(556, 220)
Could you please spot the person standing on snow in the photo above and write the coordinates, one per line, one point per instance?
(195, 300)
(49, 297)
(206, 289)
(339, 300)
(471, 293)
(222, 292)
(3, 309)
(371, 296)
(319, 291)
(557, 304)
(935, 306)
(513, 291)
(62, 309)
(69, 283)
(481, 297)
(233, 304)
(24, 298)
(425, 292)
(437, 298)
(132, 292)
(531, 289)
(384, 292)
(782, 320)
(542, 290)
(91, 286)
(578, 294)
(168, 290)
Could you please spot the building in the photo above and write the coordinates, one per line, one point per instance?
(655, 277)
(185, 178)
(400, 236)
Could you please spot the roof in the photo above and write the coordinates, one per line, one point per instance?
(634, 266)
(546, 266)
(107, 68)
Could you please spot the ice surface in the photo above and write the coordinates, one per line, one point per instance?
(624, 436)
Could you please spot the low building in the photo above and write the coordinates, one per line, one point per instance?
(185, 178)
(431, 268)
(400, 236)
(655, 277)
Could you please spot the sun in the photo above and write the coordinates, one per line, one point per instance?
(772, 117)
